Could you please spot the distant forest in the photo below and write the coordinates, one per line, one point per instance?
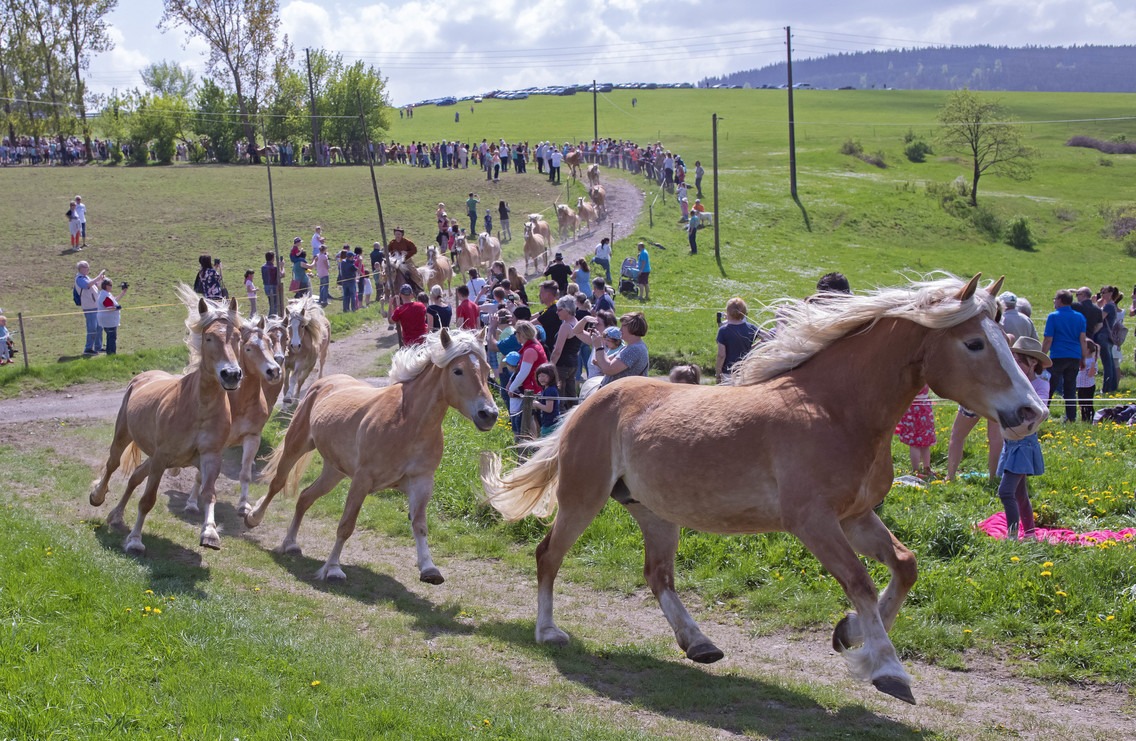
(1104, 69)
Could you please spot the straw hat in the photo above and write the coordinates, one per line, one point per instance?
(1031, 348)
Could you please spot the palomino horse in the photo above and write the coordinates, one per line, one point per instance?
(593, 175)
(598, 196)
(261, 356)
(437, 271)
(466, 255)
(309, 333)
(566, 219)
(536, 247)
(574, 160)
(586, 212)
(541, 227)
(386, 438)
(177, 421)
(799, 441)
(488, 248)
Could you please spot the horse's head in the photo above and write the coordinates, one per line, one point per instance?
(220, 340)
(459, 243)
(580, 202)
(431, 252)
(971, 363)
(528, 230)
(465, 383)
(295, 323)
(277, 334)
(257, 355)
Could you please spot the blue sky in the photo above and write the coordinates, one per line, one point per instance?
(429, 48)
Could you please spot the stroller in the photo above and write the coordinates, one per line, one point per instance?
(628, 274)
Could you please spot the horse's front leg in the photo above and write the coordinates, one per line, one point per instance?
(191, 506)
(870, 537)
(249, 445)
(356, 493)
(116, 517)
(419, 490)
(210, 467)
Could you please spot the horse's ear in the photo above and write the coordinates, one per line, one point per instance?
(233, 305)
(996, 286)
(967, 291)
(261, 323)
(481, 335)
(444, 336)
(202, 307)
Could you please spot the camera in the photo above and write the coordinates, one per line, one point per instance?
(718, 319)
(124, 285)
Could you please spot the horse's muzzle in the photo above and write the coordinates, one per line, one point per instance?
(485, 419)
(1023, 421)
(230, 377)
(273, 372)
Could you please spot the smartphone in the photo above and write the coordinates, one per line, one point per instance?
(719, 318)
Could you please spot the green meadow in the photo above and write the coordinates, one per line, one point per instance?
(289, 657)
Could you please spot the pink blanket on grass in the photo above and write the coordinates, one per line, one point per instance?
(995, 527)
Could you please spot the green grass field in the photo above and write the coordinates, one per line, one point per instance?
(1054, 612)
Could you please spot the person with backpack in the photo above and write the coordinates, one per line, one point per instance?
(85, 293)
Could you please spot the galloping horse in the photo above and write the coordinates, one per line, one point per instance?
(261, 356)
(598, 196)
(536, 247)
(177, 420)
(594, 175)
(540, 226)
(437, 271)
(309, 333)
(466, 255)
(798, 441)
(488, 248)
(586, 212)
(574, 160)
(566, 219)
(381, 438)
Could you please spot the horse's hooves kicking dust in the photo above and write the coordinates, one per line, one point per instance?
(895, 687)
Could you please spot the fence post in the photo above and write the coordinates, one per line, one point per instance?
(526, 415)
(23, 342)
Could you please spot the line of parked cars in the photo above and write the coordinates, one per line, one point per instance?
(521, 94)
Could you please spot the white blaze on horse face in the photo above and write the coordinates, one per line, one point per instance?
(1010, 403)
(294, 330)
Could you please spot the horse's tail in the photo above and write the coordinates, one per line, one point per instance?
(295, 475)
(529, 489)
(131, 457)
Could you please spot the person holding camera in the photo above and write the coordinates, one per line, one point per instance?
(87, 289)
(110, 313)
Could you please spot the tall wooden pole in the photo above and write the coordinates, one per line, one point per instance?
(717, 214)
(371, 164)
(792, 132)
(315, 120)
(595, 116)
(275, 238)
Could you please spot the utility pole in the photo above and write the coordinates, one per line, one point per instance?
(275, 239)
(312, 99)
(792, 133)
(595, 116)
(371, 164)
(717, 214)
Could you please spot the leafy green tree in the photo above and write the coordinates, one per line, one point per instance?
(983, 130)
(169, 78)
(86, 33)
(286, 112)
(161, 119)
(345, 91)
(217, 119)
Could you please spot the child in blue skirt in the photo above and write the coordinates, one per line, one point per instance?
(1021, 459)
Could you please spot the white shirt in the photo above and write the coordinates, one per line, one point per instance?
(603, 251)
(81, 212)
(317, 240)
(476, 285)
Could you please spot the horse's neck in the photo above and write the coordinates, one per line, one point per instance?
(248, 393)
(873, 374)
(212, 399)
(422, 397)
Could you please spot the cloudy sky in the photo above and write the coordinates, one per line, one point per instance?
(429, 48)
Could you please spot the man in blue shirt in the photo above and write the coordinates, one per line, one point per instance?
(644, 280)
(1065, 343)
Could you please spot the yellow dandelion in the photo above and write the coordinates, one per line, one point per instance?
(1047, 565)
(1015, 559)
(1110, 617)
(315, 683)
(967, 631)
(256, 589)
(485, 722)
(129, 610)
(157, 611)
(1061, 594)
(149, 609)
(148, 591)
(1047, 573)
(1058, 612)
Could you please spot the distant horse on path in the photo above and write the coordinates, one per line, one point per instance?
(177, 421)
(574, 160)
(536, 247)
(593, 175)
(381, 438)
(798, 440)
(309, 334)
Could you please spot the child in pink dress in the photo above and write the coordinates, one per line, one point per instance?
(916, 429)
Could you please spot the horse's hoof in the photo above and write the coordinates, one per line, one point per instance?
(252, 519)
(843, 637)
(191, 507)
(244, 509)
(134, 548)
(552, 636)
(291, 549)
(211, 541)
(97, 497)
(332, 574)
(704, 652)
(895, 687)
(431, 576)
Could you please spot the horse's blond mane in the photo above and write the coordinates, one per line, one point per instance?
(196, 323)
(309, 319)
(410, 361)
(802, 329)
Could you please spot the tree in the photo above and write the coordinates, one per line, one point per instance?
(982, 129)
(86, 34)
(347, 88)
(242, 43)
(169, 78)
(217, 119)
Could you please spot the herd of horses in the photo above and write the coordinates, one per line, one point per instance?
(797, 440)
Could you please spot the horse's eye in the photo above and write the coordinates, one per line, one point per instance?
(457, 371)
(975, 345)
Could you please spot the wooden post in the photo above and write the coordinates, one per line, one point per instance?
(371, 164)
(280, 301)
(717, 254)
(23, 342)
(792, 133)
(527, 414)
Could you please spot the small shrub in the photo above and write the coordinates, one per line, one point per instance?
(878, 159)
(910, 136)
(1019, 235)
(115, 153)
(1104, 162)
(139, 153)
(917, 151)
(987, 222)
(1121, 226)
(197, 154)
(1064, 214)
(1118, 145)
(1130, 247)
(852, 147)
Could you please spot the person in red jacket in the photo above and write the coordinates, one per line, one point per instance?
(410, 315)
(467, 312)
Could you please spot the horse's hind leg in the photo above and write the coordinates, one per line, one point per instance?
(133, 543)
(660, 543)
(115, 518)
(870, 537)
(821, 533)
(577, 510)
(192, 505)
(325, 482)
(419, 491)
(114, 459)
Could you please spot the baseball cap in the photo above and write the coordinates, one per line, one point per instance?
(613, 333)
(1008, 299)
(297, 240)
(406, 288)
(513, 358)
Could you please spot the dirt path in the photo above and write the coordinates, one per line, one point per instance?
(355, 354)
